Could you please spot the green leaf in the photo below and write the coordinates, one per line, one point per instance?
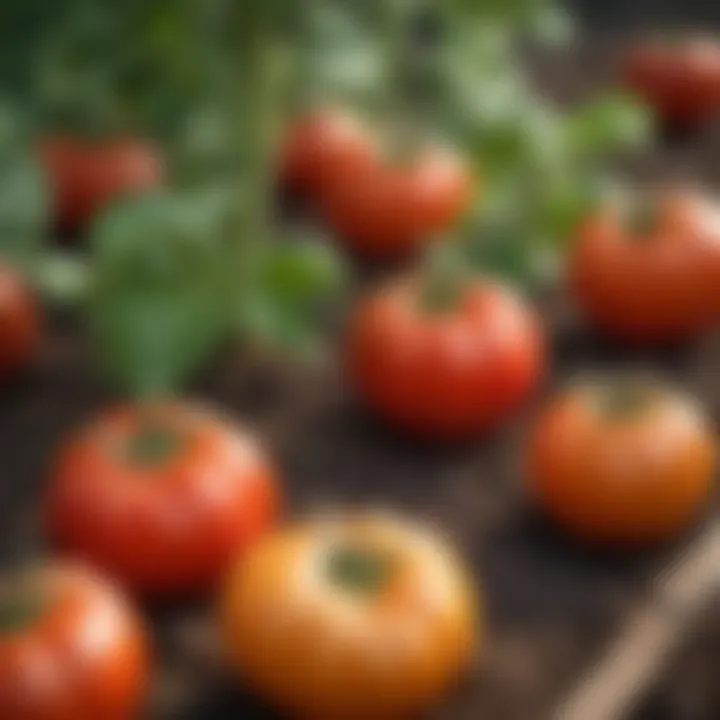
(24, 197)
(159, 303)
(608, 124)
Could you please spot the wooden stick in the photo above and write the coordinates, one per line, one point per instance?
(623, 676)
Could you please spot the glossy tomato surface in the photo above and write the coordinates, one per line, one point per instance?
(321, 146)
(621, 463)
(446, 373)
(654, 281)
(20, 325)
(86, 175)
(680, 79)
(160, 497)
(392, 208)
(361, 617)
(70, 648)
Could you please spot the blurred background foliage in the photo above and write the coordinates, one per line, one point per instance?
(213, 81)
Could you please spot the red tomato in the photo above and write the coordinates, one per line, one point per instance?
(322, 145)
(681, 80)
(19, 322)
(444, 373)
(388, 209)
(622, 463)
(161, 496)
(86, 175)
(70, 648)
(652, 278)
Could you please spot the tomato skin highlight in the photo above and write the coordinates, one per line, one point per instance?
(170, 527)
(448, 374)
(390, 210)
(318, 648)
(86, 175)
(20, 324)
(84, 657)
(322, 145)
(680, 80)
(656, 288)
(621, 480)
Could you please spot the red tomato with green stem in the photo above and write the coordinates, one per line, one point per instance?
(322, 145)
(160, 496)
(679, 78)
(19, 322)
(393, 207)
(442, 366)
(86, 175)
(650, 274)
(622, 462)
(71, 648)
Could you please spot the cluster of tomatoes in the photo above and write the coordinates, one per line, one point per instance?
(169, 500)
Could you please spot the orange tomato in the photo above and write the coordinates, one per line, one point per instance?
(322, 145)
(444, 373)
(389, 209)
(70, 648)
(160, 496)
(622, 462)
(681, 80)
(19, 322)
(359, 617)
(86, 176)
(651, 277)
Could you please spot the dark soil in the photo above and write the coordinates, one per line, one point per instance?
(551, 608)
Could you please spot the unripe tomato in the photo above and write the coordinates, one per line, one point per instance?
(444, 373)
(650, 276)
(19, 322)
(86, 175)
(622, 462)
(680, 79)
(361, 617)
(70, 648)
(322, 145)
(391, 208)
(161, 496)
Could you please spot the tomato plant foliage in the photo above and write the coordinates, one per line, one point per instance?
(173, 274)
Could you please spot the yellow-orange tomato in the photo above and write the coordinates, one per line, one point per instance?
(70, 648)
(622, 462)
(362, 617)
(652, 277)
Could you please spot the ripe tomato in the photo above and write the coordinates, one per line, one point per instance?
(444, 373)
(388, 209)
(19, 322)
(652, 277)
(160, 496)
(681, 80)
(622, 462)
(86, 176)
(322, 145)
(362, 617)
(70, 648)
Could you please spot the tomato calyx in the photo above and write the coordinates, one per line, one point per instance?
(359, 570)
(443, 283)
(152, 444)
(22, 603)
(625, 399)
(642, 219)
